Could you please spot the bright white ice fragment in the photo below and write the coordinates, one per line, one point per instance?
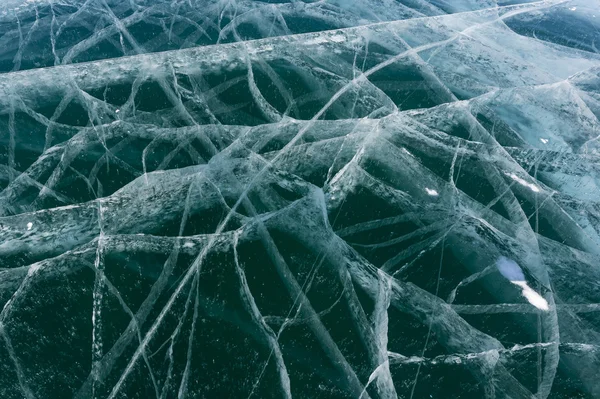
(29, 226)
(523, 182)
(545, 141)
(32, 269)
(533, 297)
(513, 273)
(573, 8)
(116, 111)
(325, 39)
(431, 192)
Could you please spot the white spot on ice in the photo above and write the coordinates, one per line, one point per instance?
(431, 192)
(573, 8)
(533, 297)
(523, 182)
(513, 273)
(32, 269)
(325, 39)
(29, 226)
(545, 141)
(117, 111)
(188, 245)
(316, 40)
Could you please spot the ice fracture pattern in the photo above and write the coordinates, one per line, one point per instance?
(307, 199)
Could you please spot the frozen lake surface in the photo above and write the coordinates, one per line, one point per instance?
(307, 199)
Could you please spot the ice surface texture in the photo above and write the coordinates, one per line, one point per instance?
(308, 199)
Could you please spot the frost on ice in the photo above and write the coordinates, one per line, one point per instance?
(332, 199)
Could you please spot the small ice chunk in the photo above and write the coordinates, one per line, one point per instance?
(337, 38)
(545, 141)
(524, 182)
(431, 192)
(513, 273)
(29, 226)
(533, 297)
(33, 268)
(573, 8)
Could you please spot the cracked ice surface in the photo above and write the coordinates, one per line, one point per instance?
(310, 199)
